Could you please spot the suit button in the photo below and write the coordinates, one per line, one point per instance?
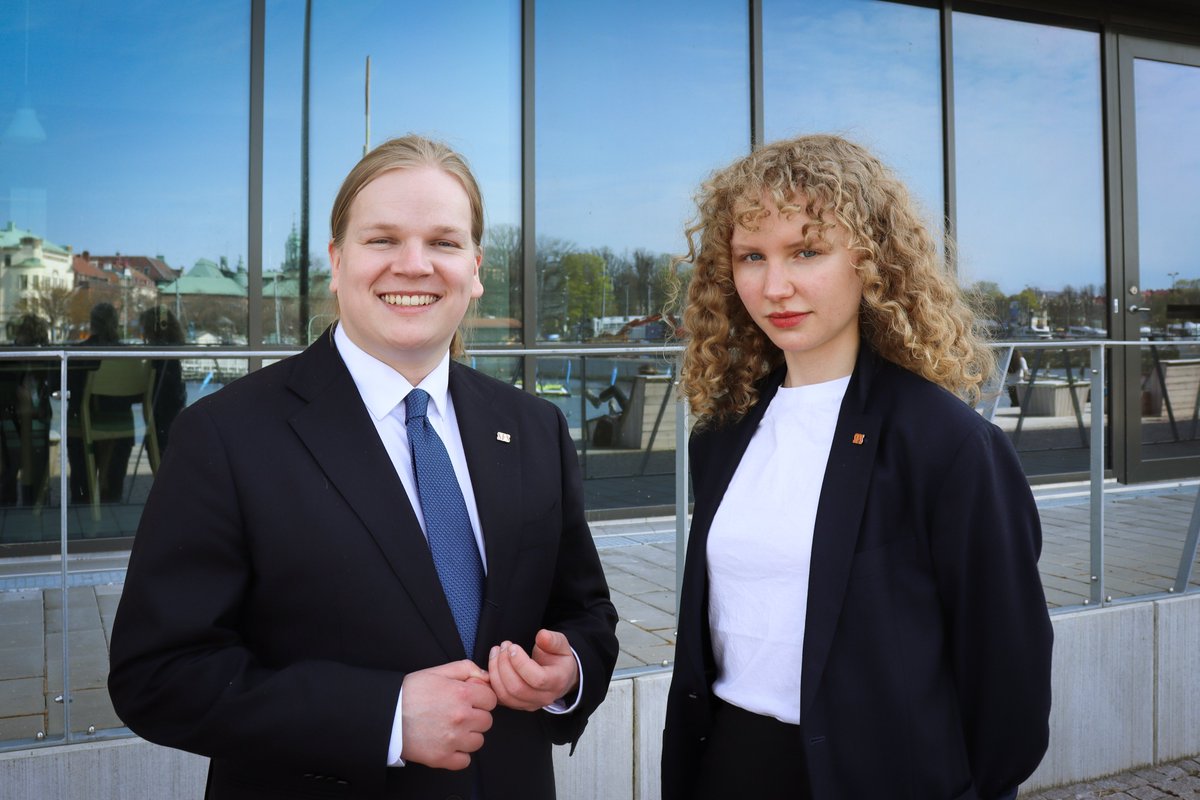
(692, 696)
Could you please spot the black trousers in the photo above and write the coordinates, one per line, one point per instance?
(750, 755)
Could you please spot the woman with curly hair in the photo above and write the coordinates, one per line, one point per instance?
(861, 613)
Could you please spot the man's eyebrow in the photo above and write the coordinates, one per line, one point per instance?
(454, 229)
(436, 230)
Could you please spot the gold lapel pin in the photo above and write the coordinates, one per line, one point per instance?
(859, 438)
(503, 437)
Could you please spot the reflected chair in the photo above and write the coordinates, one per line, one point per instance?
(131, 380)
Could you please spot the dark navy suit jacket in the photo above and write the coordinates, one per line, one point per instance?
(280, 587)
(926, 667)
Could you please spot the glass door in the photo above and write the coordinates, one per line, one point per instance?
(1157, 298)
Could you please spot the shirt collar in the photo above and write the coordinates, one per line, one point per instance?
(382, 387)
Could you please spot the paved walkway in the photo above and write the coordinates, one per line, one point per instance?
(1180, 779)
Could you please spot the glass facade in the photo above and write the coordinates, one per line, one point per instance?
(166, 178)
(618, 153)
(123, 160)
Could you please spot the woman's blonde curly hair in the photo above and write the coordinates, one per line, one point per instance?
(913, 312)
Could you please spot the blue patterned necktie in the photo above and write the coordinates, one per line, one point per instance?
(447, 525)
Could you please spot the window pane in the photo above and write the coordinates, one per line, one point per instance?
(450, 71)
(1167, 101)
(123, 163)
(635, 104)
(1031, 216)
(864, 69)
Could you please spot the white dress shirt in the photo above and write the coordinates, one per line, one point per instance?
(383, 391)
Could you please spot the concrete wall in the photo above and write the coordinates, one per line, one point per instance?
(1126, 688)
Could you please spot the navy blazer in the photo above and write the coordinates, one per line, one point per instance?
(280, 587)
(926, 667)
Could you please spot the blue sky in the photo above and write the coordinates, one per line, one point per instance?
(145, 110)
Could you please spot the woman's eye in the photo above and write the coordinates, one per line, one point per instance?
(752, 257)
(809, 253)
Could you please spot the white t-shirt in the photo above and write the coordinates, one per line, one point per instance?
(759, 549)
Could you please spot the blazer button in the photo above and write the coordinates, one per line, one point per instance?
(692, 696)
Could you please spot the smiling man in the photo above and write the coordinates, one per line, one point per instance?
(364, 572)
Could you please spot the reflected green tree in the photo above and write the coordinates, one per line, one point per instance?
(588, 292)
(501, 272)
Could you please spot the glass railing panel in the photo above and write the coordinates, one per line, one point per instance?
(1044, 405)
(31, 605)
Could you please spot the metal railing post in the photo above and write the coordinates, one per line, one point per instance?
(1096, 472)
(681, 490)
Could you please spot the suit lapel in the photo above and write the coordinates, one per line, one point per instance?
(491, 441)
(839, 514)
(337, 429)
(723, 452)
(727, 447)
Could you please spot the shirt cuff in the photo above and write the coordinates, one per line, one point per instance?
(396, 744)
(560, 706)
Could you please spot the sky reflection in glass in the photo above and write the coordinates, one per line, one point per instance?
(636, 103)
(1167, 99)
(1029, 154)
(450, 71)
(144, 110)
(864, 69)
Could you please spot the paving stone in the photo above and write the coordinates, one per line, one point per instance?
(23, 634)
(22, 728)
(89, 659)
(627, 660)
(1147, 792)
(1180, 780)
(89, 707)
(621, 581)
(18, 608)
(23, 662)
(21, 697)
(634, 639)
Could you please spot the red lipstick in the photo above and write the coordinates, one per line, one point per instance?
(787, 319)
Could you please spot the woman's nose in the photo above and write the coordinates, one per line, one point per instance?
(776, 281)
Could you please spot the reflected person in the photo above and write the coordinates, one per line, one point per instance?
(364, 571)
(161, 328)
(25, 416)
(861, 613)
(112, 454)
